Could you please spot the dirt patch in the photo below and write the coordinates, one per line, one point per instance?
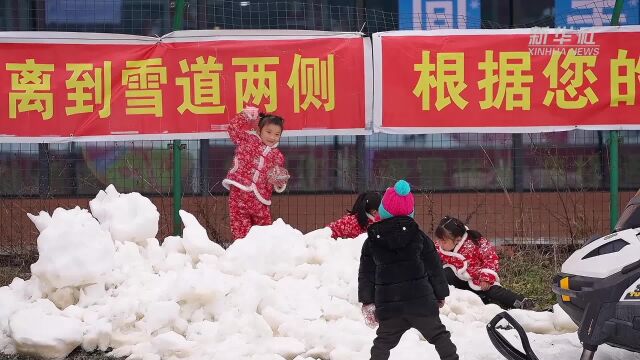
(77, 354)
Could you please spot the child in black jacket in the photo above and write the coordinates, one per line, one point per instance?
(401, 283)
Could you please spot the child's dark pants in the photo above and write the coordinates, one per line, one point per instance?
(503, 297)
(390, 331)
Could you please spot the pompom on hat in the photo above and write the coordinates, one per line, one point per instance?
(397, 201)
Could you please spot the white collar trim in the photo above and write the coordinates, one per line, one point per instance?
(253, 132)
(461, 242)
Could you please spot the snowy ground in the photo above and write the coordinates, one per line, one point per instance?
(103, 281)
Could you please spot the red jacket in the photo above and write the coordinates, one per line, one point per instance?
(347, 227)
(472, 263)
(252, 161)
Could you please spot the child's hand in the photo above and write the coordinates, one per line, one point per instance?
(251, 113)
(369, 313)
(484, 286)
(278, 176)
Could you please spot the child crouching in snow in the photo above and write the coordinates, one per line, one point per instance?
(401, 283)
(356, 221)
(258, 169)
(471, 263)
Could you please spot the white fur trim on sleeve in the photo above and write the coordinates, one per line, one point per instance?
(227, 183)
(252, 188)
(280, 189)
(453, 254)
(260, 198)
(491, 272)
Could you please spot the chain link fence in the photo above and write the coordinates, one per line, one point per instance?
(515, 188)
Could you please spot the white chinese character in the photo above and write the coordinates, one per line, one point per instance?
(561, 36)
(538, 39)
(586, 38)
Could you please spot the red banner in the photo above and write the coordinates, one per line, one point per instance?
(74, 86)
(525, 80)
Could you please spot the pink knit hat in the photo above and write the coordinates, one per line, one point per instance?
(397, 201)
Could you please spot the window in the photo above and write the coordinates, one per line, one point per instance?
(608, 248)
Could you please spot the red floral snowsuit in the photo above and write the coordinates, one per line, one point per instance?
(472, 263)
(347, 227)
(250, 190)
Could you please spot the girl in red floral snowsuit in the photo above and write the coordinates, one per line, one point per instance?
(258, 169)
(471, 263)
(356, 221)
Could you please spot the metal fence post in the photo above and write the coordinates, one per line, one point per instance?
(614, 166)
(177, 146)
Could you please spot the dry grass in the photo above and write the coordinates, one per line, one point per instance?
(529, 270)
(12, 266)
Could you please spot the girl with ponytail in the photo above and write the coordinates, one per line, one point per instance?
(471, 263)
(357, 220)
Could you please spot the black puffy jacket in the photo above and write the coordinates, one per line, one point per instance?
(400, 270)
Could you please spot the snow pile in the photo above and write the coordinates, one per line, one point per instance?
(105, 282)
(73, 249)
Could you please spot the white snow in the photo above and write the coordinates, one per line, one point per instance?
(103, 281)
(128, 217)
(73, 249)
(41, 329)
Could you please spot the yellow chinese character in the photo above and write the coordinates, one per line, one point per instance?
(449, 75)
(30, 88)
(631, 68)
(510, 80)
(86, 77)
(573, 78)
(256, 82)
(206, 87)
(143, 79)
(312, 77)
